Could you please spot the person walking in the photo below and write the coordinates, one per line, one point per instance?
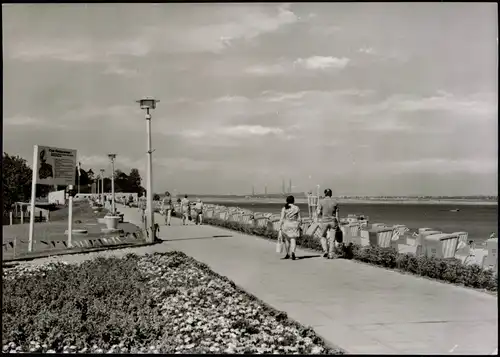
(199, 212)
(185, 209)
(167, 209)
(327, 217)
(290, 226)
(142, 207)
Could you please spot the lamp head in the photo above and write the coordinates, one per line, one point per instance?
(112, 156)
(147, 103)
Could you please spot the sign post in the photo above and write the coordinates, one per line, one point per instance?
(51, 166)
(33, 197)
(70, 216)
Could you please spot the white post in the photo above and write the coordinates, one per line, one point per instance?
(102, 187)
(10, 217)
(33, 197)
(113, 187)
(150, 214)
(22, 215)
(70, 218)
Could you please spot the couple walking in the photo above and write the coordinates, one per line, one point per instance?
(326, 217)
(168, 207)
(185, 210)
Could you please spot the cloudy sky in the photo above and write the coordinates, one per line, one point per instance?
(369, 99)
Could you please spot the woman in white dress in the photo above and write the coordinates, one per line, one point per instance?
(290, 226)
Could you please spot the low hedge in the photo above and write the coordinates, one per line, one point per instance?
(160, 303)
(447, 270)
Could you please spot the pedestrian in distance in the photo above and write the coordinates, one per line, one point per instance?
(167, 209)
(142, 208)
(327, 217)
(185, 209)
(290, 223)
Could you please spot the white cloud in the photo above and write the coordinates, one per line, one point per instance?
(263, 70)
(280, 97)
(195, 134)
(322, 62)
(250, 130)
(241, 22)
(231, 99)
(21, 120)
(71, 51)
(367, 50)
(443, 165)
(235, 132)
(120, 71)
(462, 106)
(325, 30)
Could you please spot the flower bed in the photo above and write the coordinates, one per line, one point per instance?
(448, 270)
(161, 303)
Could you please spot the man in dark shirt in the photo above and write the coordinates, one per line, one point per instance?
(327, 215)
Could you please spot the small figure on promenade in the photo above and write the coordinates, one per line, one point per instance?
(167, 208)
(142, 207)
(327, 216)
(198, 207)
(290, 226)
(185, 209)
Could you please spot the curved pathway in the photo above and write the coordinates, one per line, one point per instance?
(360, 308)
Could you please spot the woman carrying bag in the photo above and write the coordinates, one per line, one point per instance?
(289, 227)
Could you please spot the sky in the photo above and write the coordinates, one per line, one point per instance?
(364, 98)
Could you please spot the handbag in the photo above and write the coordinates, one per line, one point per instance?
(279, 243)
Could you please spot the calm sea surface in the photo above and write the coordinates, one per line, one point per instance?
(478, 220)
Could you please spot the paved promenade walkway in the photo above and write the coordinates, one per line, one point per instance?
(360, 308)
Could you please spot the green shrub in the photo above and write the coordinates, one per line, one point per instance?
(449, 270)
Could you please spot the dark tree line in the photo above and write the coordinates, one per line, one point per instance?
(17, 176)
(123, 182)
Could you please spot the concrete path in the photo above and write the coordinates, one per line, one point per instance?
(360, 308)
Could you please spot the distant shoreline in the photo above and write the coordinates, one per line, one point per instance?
(457, 202)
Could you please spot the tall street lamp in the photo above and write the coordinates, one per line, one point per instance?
(148, 103)
(112, 157)
(102, 186)
(97, 183)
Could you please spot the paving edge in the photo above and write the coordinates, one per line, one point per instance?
(14, 262)
(328, 344)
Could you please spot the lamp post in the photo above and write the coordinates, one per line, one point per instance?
(97, 180)
(112, 157)
(102, 186)
(148, 103)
